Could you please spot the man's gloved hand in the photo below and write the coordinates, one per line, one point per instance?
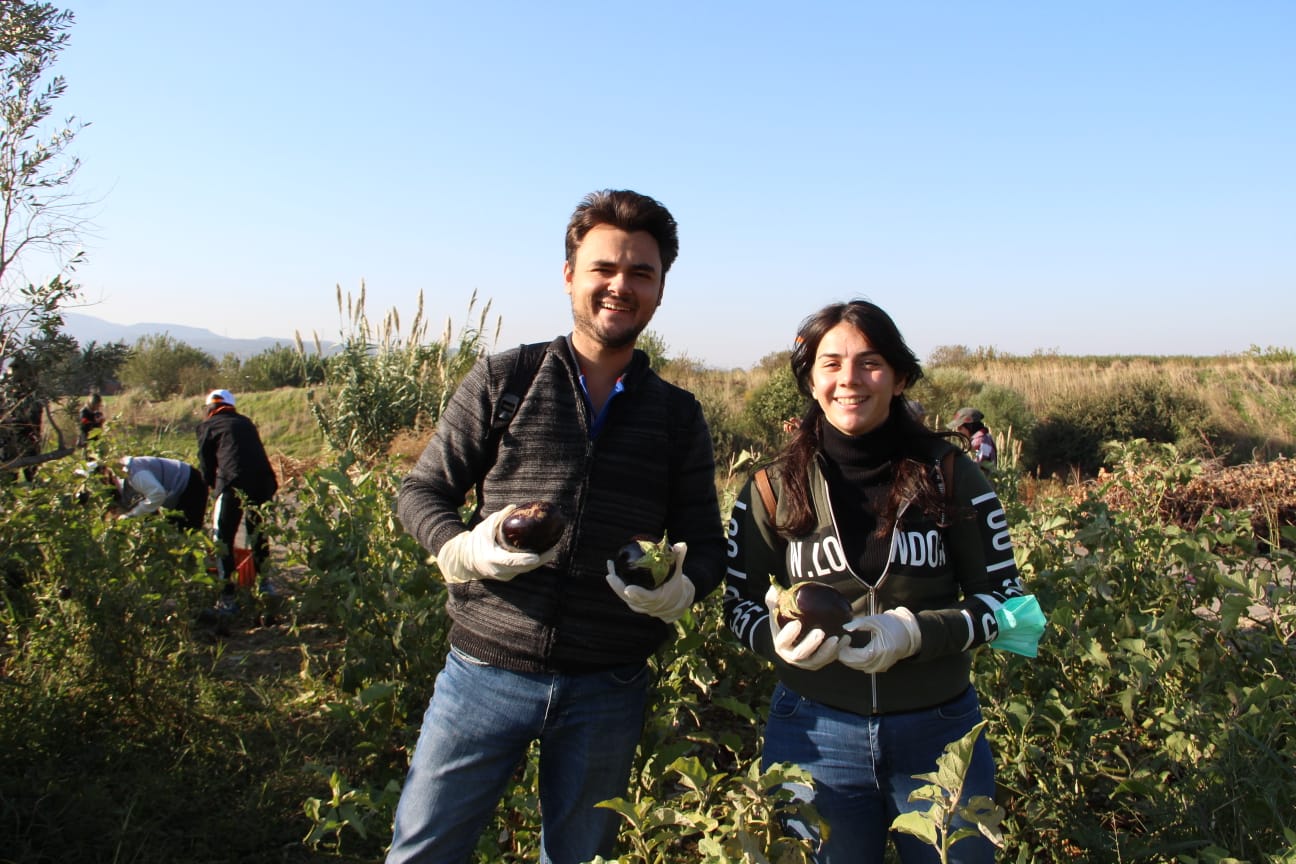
(477, 554)
(815, 651)
(667, 601)
(894, 635)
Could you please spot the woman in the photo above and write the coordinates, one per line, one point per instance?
(920, 550)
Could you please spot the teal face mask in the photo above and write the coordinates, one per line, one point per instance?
(1021, 624)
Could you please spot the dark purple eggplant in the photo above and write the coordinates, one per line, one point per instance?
(815, 605)
(533, 527)
(645, 562)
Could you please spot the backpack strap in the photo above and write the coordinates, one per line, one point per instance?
(766, 491)
(525, 365)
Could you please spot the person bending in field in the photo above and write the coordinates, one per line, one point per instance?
(549, 646)
(147, 484)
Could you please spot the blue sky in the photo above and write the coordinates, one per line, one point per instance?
(1085, 178)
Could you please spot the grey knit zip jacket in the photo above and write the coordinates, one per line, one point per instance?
(650, 471)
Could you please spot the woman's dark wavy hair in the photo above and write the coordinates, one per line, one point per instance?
(912, 480)
(629, 211)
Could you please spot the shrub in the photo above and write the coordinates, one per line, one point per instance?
(1074, 429)
(163, 367)
(769, 405)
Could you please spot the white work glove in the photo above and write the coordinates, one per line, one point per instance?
(667, 601)
(477, 554)
(815, 651)
(894, 635)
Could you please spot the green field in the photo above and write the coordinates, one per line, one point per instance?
(1156, 725)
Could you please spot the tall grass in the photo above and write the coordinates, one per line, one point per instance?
(1243, 392)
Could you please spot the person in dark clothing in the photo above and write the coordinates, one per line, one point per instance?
(91, 420)
(234, 463)
(552, 646)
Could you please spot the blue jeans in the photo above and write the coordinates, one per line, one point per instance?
(477, 729)
(863, 771)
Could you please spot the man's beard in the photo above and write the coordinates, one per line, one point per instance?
(619, 339)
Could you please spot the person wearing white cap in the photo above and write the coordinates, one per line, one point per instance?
(233, 461)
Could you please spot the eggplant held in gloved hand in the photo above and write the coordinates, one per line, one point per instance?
(649, 576)
(482, 554)
(532, 527)
(795, 642)
(816, 606)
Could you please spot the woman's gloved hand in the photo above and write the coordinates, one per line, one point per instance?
(477, 554)
(893, 636)
(668, 601)
(815, 651)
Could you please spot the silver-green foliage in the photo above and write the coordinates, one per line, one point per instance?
(36, 214)
(943, 793)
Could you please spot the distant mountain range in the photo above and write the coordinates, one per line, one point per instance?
(86, 329)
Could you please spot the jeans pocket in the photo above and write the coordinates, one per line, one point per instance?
(626, 676)
(784, 703)
(964, 707)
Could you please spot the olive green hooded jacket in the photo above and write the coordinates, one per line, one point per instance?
(951, 578)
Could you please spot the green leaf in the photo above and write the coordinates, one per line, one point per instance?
(917, 825)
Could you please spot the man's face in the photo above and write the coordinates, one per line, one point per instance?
(615, 285)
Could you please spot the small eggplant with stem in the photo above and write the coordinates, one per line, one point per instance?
(645, 561)
(816, 606)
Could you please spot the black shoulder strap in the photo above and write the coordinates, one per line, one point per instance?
(525, 366)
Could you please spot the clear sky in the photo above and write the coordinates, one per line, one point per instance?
(1087, 178)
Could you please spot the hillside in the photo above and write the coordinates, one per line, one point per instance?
(86, 329)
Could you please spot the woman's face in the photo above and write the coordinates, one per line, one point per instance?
(852, 383)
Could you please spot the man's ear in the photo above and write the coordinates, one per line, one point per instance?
(568, 273)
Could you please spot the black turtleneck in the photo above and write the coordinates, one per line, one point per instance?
(858, 469)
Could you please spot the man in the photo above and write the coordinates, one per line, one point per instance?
(552, 646)
(234, 461)
(969, 422)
